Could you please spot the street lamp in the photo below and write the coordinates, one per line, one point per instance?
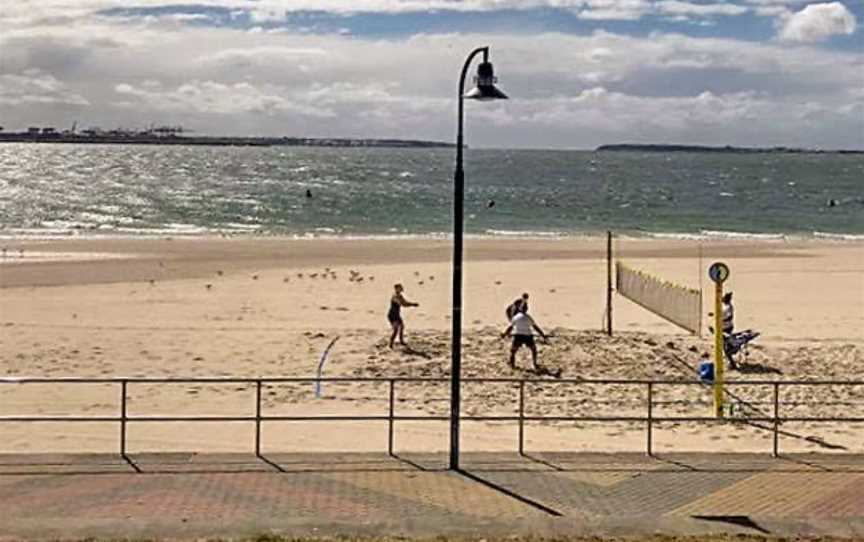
(483, 90)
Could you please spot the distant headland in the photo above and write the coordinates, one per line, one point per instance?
(174, 136)
(725, 149)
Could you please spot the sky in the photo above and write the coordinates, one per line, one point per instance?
(580, 73)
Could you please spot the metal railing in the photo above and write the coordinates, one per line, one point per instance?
(649, 419)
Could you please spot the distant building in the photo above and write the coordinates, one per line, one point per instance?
(167, 131)
(34, 130)
(48, 131)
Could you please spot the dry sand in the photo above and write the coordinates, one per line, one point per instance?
(268, 307)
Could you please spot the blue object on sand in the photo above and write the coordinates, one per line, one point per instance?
(706, 371)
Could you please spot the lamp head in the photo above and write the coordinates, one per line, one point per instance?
(485, 89)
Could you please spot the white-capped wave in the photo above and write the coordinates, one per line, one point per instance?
(526, 233)
(722, 234)
(838, 236)
(239, 226)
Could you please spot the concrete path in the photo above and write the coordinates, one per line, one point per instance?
(195, 495)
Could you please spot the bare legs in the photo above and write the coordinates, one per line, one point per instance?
(515, 348)
(534, 356)
(398, 330)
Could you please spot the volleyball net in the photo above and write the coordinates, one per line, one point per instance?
(675, 303)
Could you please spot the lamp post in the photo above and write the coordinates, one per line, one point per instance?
(484, 90)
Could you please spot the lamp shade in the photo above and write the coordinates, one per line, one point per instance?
(484, 82)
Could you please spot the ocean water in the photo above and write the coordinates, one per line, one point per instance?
(60, 190)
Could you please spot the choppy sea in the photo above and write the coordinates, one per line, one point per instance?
(79, 190)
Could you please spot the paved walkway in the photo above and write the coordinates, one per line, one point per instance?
(192, 495)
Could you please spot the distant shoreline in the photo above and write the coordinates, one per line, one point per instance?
(147, 139)
(625, 147)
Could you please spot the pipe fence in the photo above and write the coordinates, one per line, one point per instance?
(650, 419)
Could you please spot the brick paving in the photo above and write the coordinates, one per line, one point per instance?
(207, 495)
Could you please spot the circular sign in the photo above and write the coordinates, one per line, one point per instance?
(718, 272)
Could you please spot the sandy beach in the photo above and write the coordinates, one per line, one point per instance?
(268, 307)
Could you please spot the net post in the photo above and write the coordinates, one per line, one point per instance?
(719, 360)
(123, 384)
(650, 419)
(258, 418)
(522, 417)
(609, 282)
(776, 451)
(701, 301)
(390, 428)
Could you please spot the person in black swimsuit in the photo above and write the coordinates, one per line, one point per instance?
(513, 308)
(394, 315)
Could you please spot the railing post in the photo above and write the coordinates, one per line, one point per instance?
(650, 419)
(258, 418)
(390, 428)
(776, 452)
(522, 417)
(123, 418)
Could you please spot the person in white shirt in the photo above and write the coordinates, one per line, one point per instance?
(523, 327)
(728, 314)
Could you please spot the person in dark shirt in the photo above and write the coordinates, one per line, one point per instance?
(394, 314)
(514, 307)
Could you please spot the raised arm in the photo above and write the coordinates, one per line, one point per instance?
(404, 302)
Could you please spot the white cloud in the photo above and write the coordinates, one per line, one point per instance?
(32, 88)
(676, 7)
(22, 13)
(621, 10)
(567, 89)
(818, 22)
(211, 97)
(260, 56)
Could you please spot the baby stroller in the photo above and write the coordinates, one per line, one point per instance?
(735, 346)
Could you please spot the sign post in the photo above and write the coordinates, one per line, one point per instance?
(718, 272)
